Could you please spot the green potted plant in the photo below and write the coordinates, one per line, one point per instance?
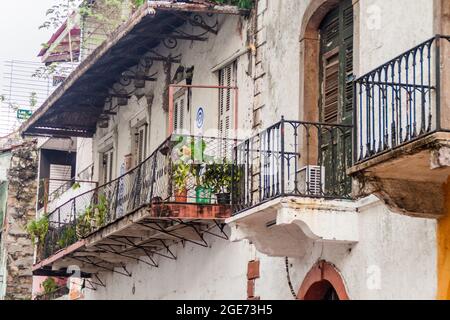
(220, 177)
(180, 175)
(37, 229)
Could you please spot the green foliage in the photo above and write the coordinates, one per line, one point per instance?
(37, 229)
(49, 285)
(101, 210)
(76, 186)
(33, 99)
(219, 177)
(139, 3)
(68, 237)
(94, 216)
(243, 4)
(180, 175)
(84, 222)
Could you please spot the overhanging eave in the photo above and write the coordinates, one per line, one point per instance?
(89, 82)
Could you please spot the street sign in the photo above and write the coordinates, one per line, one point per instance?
(23, 114)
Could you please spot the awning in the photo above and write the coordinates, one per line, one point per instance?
(74, 109)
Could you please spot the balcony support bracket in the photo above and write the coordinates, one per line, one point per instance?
(290, 226)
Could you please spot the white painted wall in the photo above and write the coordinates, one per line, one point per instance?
(197, 274)
(400, 250)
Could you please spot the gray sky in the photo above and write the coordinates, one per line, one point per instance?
(20, 37)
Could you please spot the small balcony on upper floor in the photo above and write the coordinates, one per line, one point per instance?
(180, 193)
(402, 132)
(293, 188)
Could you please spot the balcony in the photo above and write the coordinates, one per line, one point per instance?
(179, 194)
(293, 188)
(402, 135)
(51, 197)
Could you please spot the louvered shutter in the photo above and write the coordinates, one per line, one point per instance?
(175, 116)
(336, 34)
(336, 106)
(227, 78)
(347, 61)
(330, 96)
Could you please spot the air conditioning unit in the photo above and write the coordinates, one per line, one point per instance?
(311, 180)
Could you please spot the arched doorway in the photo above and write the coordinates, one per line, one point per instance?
(323, 282)
(322, 290)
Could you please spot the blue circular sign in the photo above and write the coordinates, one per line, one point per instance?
(200, 119)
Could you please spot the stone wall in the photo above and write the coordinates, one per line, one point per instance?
(16, 243)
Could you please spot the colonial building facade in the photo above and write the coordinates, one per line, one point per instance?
(287, 150)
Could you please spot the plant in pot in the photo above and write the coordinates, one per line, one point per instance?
(180, 175)
(220, 177)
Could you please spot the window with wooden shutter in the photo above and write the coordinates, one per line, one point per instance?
(336, 33)
(330, 103)
(107, 166)
(141, 144)
(227, 78)
(336, 96)
(180, 111)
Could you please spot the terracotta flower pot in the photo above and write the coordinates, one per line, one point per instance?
(181, 196)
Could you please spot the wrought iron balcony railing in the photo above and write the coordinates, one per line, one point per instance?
(183, 170)
(45, 196)
(399, 101)
(293, 158)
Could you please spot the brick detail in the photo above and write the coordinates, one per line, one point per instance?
(251, 288)
(253, 274)
(253, 270)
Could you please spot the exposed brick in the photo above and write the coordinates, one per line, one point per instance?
(253, 270)
(250, 288)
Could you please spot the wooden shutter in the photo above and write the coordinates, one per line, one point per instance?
(330, 95)
(347, 61)
(336, 103)
(336, 34)
(179, 115)
(227, 78)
